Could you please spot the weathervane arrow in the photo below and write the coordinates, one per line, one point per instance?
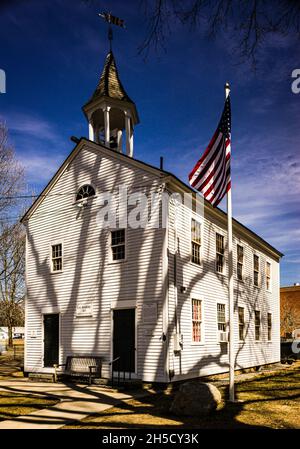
(111, 20)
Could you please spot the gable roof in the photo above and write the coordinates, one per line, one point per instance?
(109, 84)
(147, 167)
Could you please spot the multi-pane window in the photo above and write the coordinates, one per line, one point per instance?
(56, 255)
(257, 325)
(241, 312)
(197, 320)
(255, 270)
(220, 253)
(118, 244)
(85, 192)
(196, 242)
(221, 316)
(240, 262)
(268, 276)
(269, 326)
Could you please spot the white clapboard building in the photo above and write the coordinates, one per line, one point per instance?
(155, 296)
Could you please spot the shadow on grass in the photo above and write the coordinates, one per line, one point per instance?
(15, 404)
(261, 399)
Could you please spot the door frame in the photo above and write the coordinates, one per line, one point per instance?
(49, 369)
(126, 306)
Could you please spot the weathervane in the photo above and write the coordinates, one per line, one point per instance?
(110, 19)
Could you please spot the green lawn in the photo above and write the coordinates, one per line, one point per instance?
(266, 401)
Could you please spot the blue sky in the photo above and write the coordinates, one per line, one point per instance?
(53, 53)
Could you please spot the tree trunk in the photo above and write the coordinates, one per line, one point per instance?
(10, 336)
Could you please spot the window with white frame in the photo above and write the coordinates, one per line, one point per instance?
(241, 312)
(257, 324)
(196, 241)
(196, 320)
(220, 250)
(240, 262)
(255, 270)
(56, 256)
(85, 191)
(268, 276)
(118, 244)
(221, 317)
(269, 326)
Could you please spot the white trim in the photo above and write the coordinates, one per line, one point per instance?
(165, 298)
(260, 327)
(59, 338)
(269, 290)
(88, 183)
(133, 374)
(255, 253)
(221, 301)
(51, 244)
(194, 216)
(223, 272)
(26, 300)
(202, 337)
(110, 257)
(119, 304)
(244, 335)
(50, 310)
(236, 262)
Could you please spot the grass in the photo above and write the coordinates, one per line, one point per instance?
(265, 401)
(15, 404)
(10, 368)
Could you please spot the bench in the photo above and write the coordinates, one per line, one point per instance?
(80, 365)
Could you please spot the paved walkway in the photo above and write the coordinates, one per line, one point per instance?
(76, 402)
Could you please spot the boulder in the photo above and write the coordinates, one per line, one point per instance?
(195, 398)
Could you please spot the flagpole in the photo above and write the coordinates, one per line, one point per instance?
(230, 287)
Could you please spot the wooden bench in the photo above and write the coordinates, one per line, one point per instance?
(81, 365)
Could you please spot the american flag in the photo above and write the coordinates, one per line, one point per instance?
(211, 174)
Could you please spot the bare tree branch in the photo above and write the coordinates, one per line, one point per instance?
(248, 22)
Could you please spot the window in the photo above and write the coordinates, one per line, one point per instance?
(56, 255)
(196, 242)
(118, 244)
(257, 325)
(268, 276)
(221, 317)
(197, 320)
(240, 262)
(241, 312)
(219, 253)
(85, 192)
(269, 326)
(255, 270)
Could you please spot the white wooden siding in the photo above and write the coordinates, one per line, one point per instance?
(87, 274)
(203, 281)
(147, 276)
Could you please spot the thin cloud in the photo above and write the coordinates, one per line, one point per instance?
(26, 125)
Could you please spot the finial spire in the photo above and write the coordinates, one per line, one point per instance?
(110, 36)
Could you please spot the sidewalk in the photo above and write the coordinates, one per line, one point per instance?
(76, 402)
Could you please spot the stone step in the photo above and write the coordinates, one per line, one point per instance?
(41, 377)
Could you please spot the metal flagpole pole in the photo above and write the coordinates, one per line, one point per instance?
(230, 287)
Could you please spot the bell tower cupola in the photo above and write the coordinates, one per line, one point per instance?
(111, 114)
